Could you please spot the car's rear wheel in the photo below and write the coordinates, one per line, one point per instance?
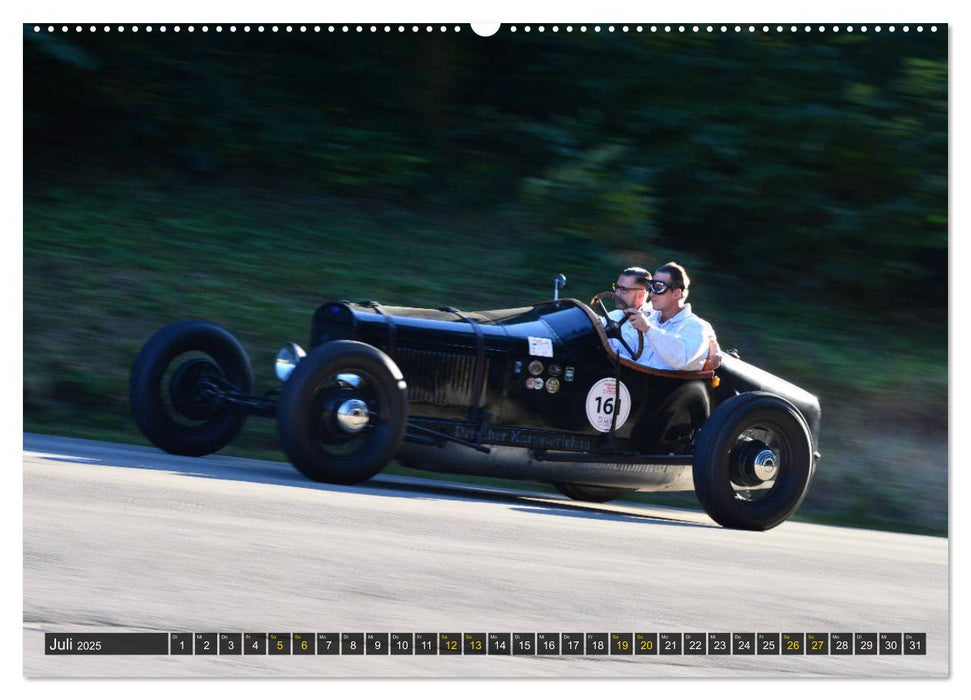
(342, 412)
(753, 462)
(175, 382)
(593, 494)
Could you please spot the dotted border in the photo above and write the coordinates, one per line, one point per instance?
(512, 29)
(232, 28)
(736, 28)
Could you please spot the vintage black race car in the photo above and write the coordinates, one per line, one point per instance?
(531, 393)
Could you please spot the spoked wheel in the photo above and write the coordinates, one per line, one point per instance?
(612, 327)
(592, 494)
(342, 412)
(175, 383)
(753, 462)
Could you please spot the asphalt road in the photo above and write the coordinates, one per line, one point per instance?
(124, 538)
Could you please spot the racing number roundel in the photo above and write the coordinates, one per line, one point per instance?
(602, 402)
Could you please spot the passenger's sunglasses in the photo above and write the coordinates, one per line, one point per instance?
(621, 289)
(659, 287)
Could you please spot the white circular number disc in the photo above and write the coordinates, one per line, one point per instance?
(602, 401)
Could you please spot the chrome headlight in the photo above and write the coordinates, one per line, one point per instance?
(287, 360)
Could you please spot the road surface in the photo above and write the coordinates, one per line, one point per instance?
(121, 538)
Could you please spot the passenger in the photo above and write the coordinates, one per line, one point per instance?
(674, 337)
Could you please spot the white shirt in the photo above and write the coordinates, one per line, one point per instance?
(681, 342)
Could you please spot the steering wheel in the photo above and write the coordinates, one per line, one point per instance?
(614, 327)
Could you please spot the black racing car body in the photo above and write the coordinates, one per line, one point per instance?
(534, 392)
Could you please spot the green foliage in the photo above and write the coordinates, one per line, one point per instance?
(601, 194)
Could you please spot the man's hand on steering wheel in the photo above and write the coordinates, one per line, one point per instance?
(637, 320)
(614, 327)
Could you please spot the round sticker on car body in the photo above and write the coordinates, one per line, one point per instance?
(602, 401)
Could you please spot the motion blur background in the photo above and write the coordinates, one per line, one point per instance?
(802, 179)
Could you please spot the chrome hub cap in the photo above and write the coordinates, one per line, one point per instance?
(766, 465)
(353, 416)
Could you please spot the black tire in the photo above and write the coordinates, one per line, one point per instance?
(310, 433)
(764, 421)
(593, 494)
(191, 426)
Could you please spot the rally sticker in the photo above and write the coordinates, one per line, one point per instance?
(541, 347)
(602, 401)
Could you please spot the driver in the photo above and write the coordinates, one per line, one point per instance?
(631, 289)
(674, 338)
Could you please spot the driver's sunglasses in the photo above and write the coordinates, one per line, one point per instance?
(659, 287)
(621, 289)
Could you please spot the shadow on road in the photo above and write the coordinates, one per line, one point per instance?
(105, 454)
(596, 512)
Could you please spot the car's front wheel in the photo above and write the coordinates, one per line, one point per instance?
(342, 412)
(753, 461)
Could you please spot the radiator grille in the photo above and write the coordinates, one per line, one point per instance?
(440, 378)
